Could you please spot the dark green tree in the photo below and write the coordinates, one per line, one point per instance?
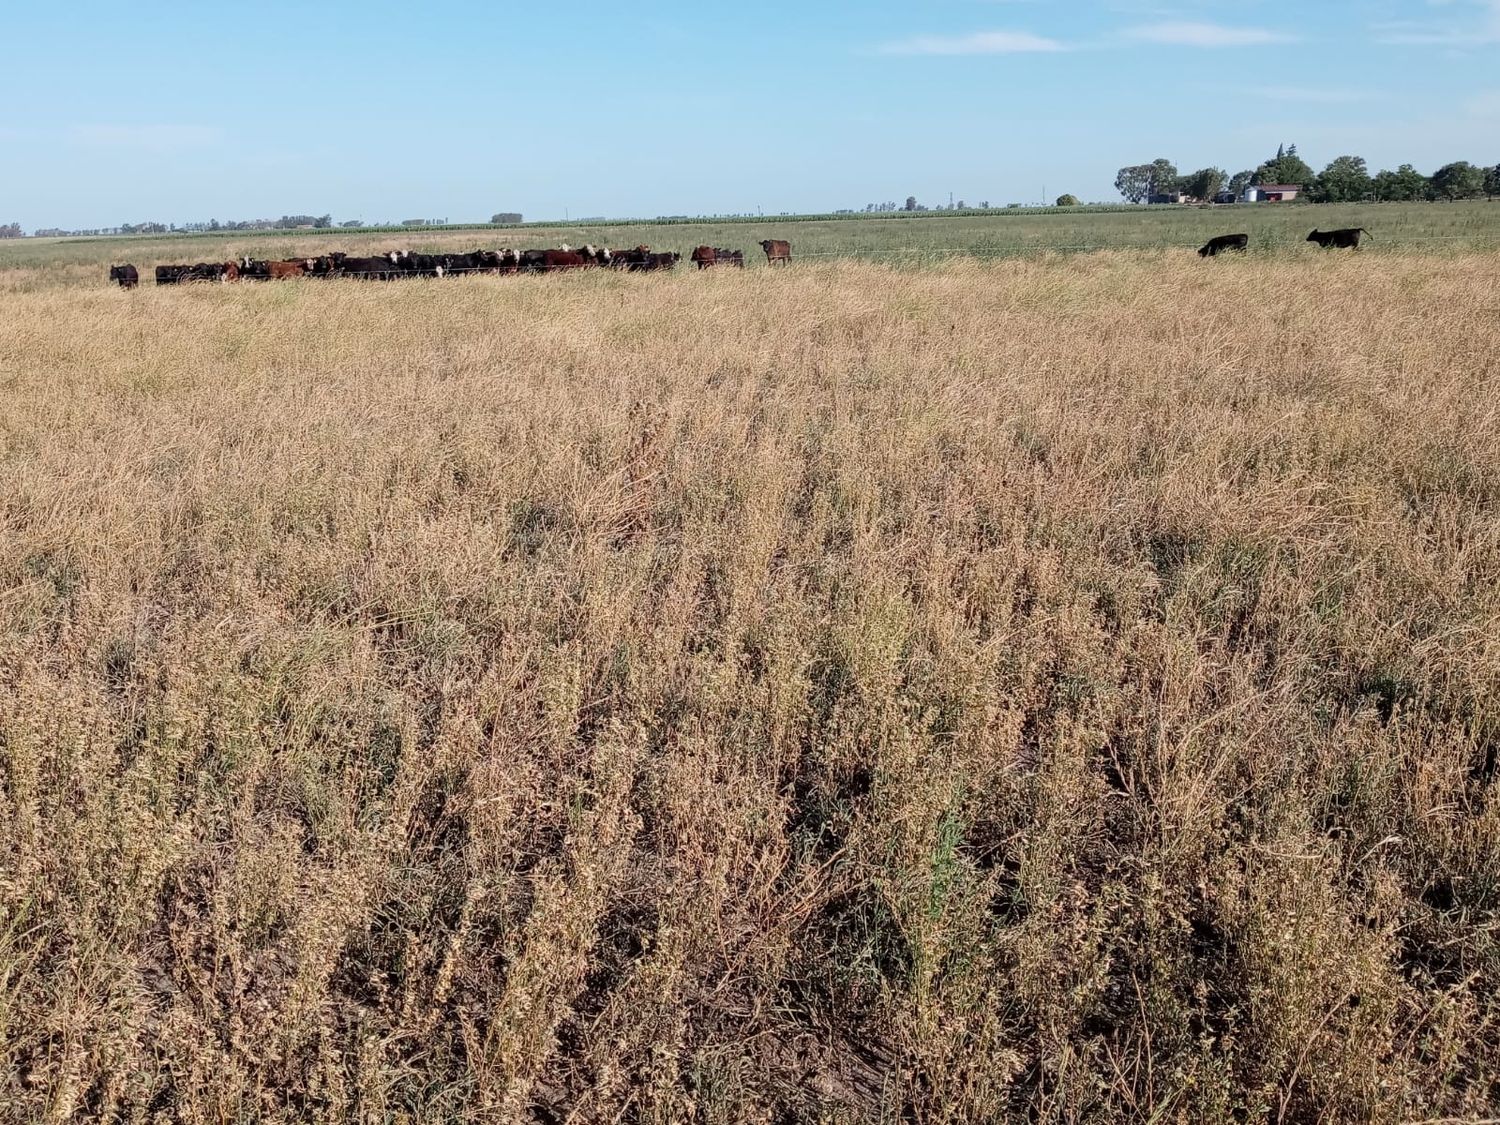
(1492, 182)
(1345, 180)
(1134, 182)
(1164, 177)
(1240, 181)
(1067, 200)
(1205, 183)
(911, 202)
(1401, 186)
(1459, 180)
(1286, 168)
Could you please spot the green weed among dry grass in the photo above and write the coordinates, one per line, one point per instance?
(1060, 690)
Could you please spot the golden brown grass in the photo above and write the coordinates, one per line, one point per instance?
(1057, 691)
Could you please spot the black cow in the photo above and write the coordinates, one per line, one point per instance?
(1215, 246)
(635, 259)
(255, 269)
(127, 275)
(366, 269)
(202, 271)
(1347, 239)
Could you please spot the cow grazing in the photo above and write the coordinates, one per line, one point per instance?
(366, 269)
(127, 275)
(201, 271)
(1338, 239)
(703, 257)
(777, 251)
(293, 267)
(545, 261)
(1215, 246)
(635, 259)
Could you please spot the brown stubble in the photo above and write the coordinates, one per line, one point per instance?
(1058, 687)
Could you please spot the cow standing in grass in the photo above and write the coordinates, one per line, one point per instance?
(127, 275)
(1347, 239)
(778, 251)
(1215, 246)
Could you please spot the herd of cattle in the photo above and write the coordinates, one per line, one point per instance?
(404, 263)
(1347, 239)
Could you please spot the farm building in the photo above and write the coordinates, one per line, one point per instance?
(1272, 193)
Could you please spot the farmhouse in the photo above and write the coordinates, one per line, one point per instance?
(1272, 193)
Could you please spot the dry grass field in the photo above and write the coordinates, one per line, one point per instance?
(1060, 690)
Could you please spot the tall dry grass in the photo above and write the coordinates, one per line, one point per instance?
(1056, 691)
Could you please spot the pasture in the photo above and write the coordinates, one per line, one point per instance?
(899, 240)
(1064, 688)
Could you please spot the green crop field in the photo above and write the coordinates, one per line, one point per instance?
(898, 239)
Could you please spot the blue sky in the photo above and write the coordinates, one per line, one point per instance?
(115, 113)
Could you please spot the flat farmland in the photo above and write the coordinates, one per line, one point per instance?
(1063, 688)
(902, 241)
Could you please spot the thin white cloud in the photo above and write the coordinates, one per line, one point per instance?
(146, 138)
(1184, 33)
(976, 43)
(1486, 103)
(1314, 96)
(1480, 29)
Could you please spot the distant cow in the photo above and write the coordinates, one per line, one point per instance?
(202, 271)
(127, 275)
(635, 259)
(294, 267)
(1223, 242)
(706, 257)
(367, 269)
(545, 261)
(1338, 239)
(777, 251)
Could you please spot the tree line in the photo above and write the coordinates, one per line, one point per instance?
(1346, 179)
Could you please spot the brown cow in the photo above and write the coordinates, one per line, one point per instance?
(702, 257)
(777, 251)
(294, 267)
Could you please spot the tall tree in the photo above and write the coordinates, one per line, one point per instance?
(1401, 186)
(1240, 181)
(1205, 183)
(1286, 168)
(1459, 180)
(1345, 180)
(911, 202)
(1134, 182)
(1492, 182)
(1164, 177)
